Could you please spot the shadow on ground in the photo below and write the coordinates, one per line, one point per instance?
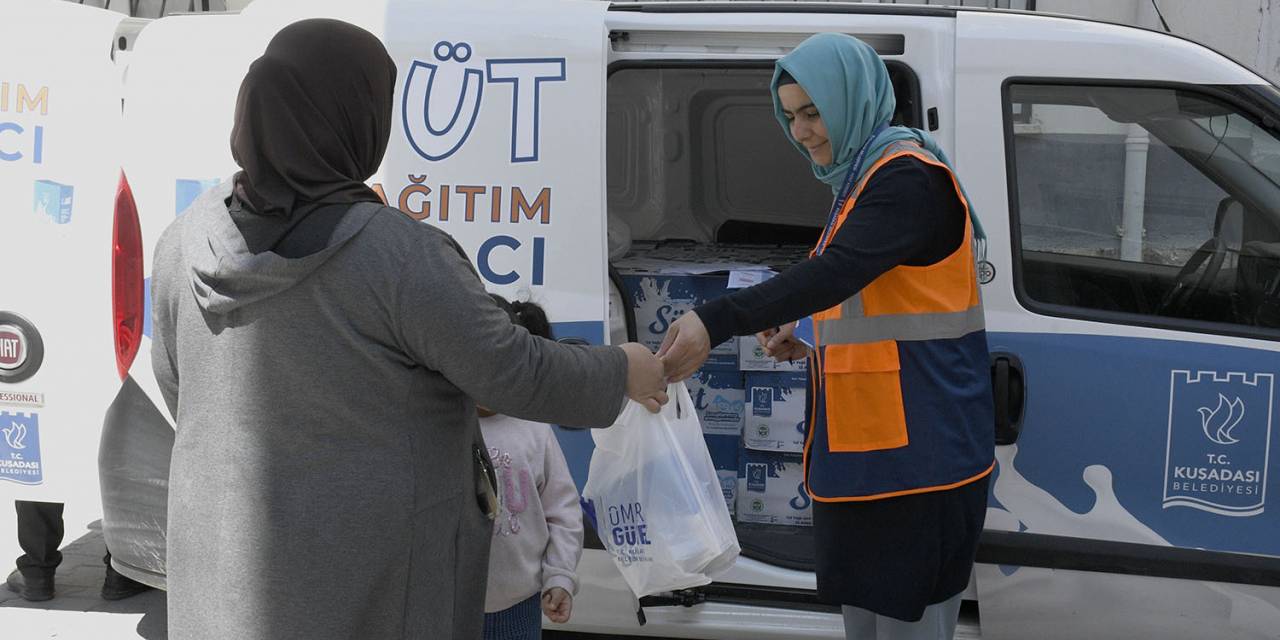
(78, 586)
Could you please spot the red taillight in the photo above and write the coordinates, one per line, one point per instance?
(126, 278)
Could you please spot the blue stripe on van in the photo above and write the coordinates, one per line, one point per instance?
(1112, 423)
(146, 307)
(577, 443)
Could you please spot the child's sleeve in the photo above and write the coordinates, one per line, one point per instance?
(564, 519)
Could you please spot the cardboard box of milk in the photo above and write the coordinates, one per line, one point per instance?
(771, 489)
(725, 455)
(775, 412)
(751, 357)
(659, 299)
(720, 400)
(54, 201)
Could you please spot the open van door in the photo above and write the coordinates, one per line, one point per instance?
(499, 140)
(59, 169)
(1131, 297)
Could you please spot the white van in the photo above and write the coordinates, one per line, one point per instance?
(1129, 182)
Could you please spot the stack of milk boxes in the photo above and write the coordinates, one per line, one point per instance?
(752, 409)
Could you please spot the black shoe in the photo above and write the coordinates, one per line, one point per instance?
(36, 587)
(118, 587)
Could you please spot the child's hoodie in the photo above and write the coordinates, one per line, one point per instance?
(537, 538)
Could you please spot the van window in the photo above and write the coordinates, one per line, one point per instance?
(1160, 204)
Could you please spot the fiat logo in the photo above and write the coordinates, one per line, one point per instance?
(21, 348)
(13, 347)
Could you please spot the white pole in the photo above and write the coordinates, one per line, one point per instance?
(1136, 145)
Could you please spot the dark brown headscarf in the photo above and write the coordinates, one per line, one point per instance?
(312, 122)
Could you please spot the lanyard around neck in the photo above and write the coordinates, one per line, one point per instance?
(846, 191)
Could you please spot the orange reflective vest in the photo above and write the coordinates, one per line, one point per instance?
(901, 379)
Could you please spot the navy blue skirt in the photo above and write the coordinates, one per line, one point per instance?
(896, 556)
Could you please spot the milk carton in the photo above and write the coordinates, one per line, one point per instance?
(53, 200)
(725, 452)
(720, 399)
(771, 489)
(751, 357)
(775, 412)
(659, 299)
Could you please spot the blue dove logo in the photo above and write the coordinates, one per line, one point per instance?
(16, 435)
(1218, 423)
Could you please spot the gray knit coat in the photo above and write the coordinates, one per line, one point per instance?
(322, 481)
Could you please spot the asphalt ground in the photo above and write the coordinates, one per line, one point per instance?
(78, 611)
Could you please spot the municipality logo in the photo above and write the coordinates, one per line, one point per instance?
(762, 401)
(20, 448)
(757, 477)
(1219, 441)
(1219, 422)
(15, 436)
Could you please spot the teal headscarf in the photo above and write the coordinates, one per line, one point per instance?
(850, 87)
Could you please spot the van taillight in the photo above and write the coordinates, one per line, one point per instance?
(126, 278)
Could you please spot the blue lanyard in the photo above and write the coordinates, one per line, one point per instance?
(847, 190)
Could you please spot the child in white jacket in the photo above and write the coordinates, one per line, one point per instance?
(537, 536)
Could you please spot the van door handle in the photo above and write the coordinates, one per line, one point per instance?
(1009, 388)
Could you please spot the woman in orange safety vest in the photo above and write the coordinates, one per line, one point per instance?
(900, 438)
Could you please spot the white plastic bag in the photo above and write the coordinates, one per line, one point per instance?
(656, 500)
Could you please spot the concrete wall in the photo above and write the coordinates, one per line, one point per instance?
(1246, 30)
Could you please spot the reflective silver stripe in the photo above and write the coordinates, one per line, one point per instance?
(854, 327)
(852, 308)
(906, 326)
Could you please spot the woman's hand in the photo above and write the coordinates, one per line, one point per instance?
(685, 348)
(557, 604)
(781, 344)
(646, 383)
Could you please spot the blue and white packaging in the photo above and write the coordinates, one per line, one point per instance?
(659, 299)
(53, 200)
(720, 398)
(775, 412)
(771, 489)
(751, 357)
(725, 456)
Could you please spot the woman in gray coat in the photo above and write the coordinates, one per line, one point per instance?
(322, 356)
